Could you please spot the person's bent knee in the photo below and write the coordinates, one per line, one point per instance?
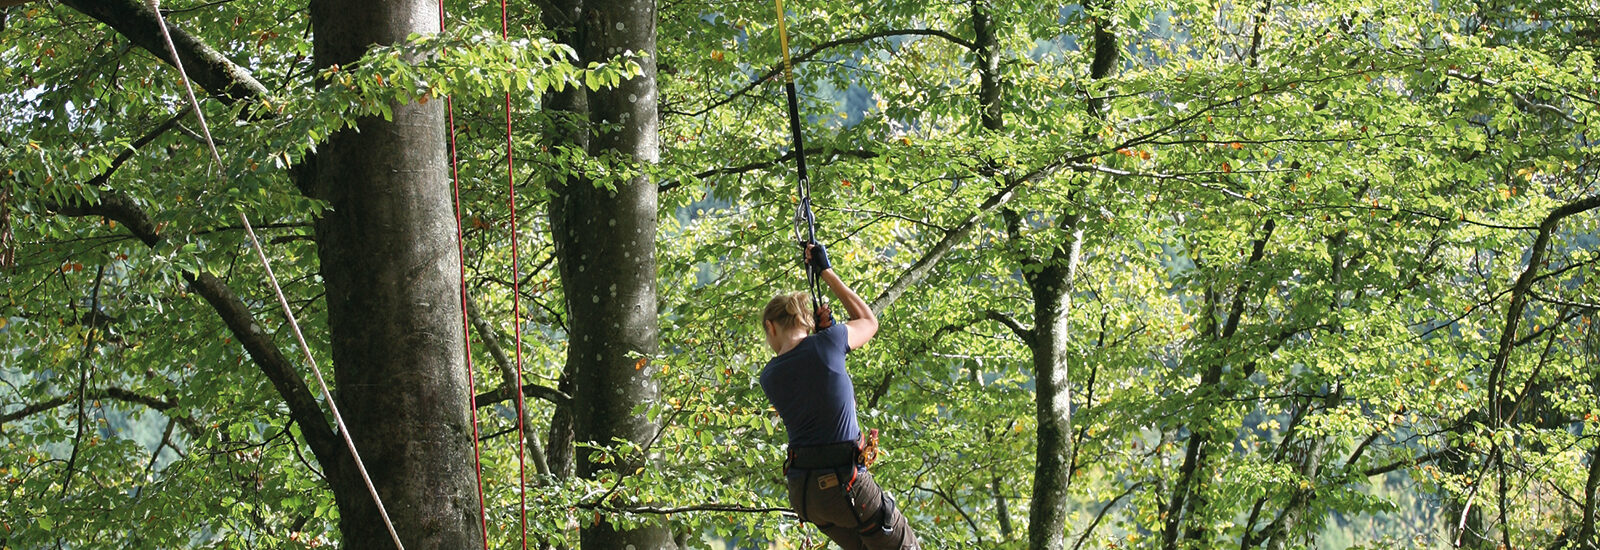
(888, 530)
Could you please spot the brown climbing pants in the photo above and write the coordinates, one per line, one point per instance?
(850, 509)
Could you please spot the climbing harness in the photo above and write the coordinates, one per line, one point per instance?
(805, 222)
(862, 452)
(344, 431)
(831, 473)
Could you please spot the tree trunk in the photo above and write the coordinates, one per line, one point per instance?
(1050, 283)
(1050, 287)
(1052, 301)
(388, 259)
(567, 109)
(605, 242)
(1463, 517)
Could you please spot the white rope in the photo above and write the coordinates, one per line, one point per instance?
(338, 419)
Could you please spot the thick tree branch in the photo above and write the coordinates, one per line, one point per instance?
(1570, 311)
(107, 394)
(1257, 251)
(503, 394)
(709, 507)
(150, 465)
(1407, 463)
(204, 64)
(1521, 99)
(303, 406)
(1274, 528)
(1184, 492)
(1187, 177)
(127, 154)
(923, 267)
(1496, 454)
(508, 377)
(81, 419)
(880, 390)
(230, 82)
(1251, 537)
(1586, 528)
(1022, 332)
(1361, 448)
(1520, 292)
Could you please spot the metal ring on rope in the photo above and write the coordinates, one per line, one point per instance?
(803, 214)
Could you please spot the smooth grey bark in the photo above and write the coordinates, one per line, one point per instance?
(605, 245)
(1049, 282)
(388, 261)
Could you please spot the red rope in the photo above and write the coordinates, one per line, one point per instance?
(466, 328)
(516, 303)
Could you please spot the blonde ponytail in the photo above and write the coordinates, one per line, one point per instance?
(788, 311)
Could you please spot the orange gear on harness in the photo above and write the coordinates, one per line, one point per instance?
(869, 449)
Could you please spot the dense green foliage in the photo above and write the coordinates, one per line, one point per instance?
(1337, 284)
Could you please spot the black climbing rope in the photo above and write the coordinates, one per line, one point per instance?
(805, 222)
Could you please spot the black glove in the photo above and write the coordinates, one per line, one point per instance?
(817, 257)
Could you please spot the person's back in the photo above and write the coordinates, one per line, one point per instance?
(808, 384)
(811, 390)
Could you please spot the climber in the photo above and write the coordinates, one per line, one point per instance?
(807, 383)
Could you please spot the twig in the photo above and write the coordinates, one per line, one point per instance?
(1088, 530)
(83, 380)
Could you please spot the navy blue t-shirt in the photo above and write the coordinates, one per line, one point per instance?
(812, 391)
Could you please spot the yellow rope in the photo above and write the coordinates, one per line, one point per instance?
(783, 41)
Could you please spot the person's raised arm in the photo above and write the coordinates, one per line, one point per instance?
(863, 323)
